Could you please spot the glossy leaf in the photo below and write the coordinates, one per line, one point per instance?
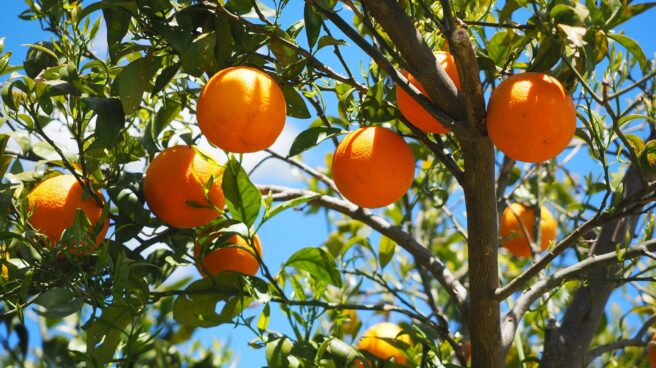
(311, 138)
(318, 264)
(242, 196)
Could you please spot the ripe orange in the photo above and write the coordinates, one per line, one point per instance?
(373, 167)
(241, 109)
(237, 256)
(412, 110)
(54, 203)
(531, 117)
(174, 187)
(350, 324)
(372, 341)
(651, 351)
(514, 238)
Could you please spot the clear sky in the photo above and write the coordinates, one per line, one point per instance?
(291, 230)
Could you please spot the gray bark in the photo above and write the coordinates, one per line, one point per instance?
(566, 345)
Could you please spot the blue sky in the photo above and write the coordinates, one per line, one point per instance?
(291, 230)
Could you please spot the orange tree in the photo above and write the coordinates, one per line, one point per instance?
(567, 82)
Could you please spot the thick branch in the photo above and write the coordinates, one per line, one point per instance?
(573, 272)
(441, 114)
(468, 71)
(419, 57)
(567, 345)
(402, 238)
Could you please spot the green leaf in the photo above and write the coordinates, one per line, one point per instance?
(129, 5)
(129, 205)
(647, 159)
(132, 82)
(41, 48)
(241, 195)
(628, 118)
(375, 107)
(105, 333)
(5, 160)
(631, 46)
(264, 10)
(547, 54)
(200, 57)
(570, 15)
(318, 263)
(110, 119)
(628, 13)
(574, 34)
(224, 40)
(330, 41)
(312, 24)
(164, 78)
(117, 21)
(278, 353)
(198, 307)
(296, 107)
(58, 303)
(289, 204)
(500, 46)
(263, 321)
(38, 58)
(344, 353)
(312, 137)
(165, 115)
(386, 250)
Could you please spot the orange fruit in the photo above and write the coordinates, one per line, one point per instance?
(351, 321)
(54, 203)
(531, 117)
(373, 167)
(174, 187)
(241, 109)
(514, 237)
(372, 341)
(237, 256)
(651, 351)
(412, 110)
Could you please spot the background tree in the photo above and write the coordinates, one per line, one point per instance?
(437, 263)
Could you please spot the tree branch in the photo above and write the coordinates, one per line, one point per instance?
(573, 272)
(636, 340)
(625, 207)
(419, 57)
(567, 345)
(437, 111)
(405, 240)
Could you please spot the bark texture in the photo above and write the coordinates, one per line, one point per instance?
(484, 312)
(566, 345)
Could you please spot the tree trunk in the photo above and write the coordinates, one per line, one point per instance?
(567, 345)
(484, 313)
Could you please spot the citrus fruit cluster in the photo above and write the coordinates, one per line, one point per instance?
(240, 109)
(531, 117)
